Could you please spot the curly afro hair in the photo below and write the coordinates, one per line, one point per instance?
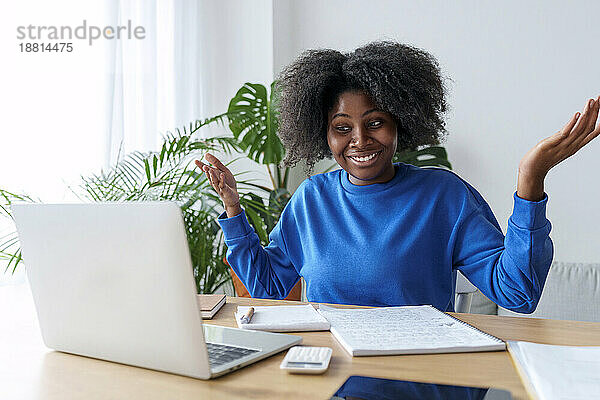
(401, 80)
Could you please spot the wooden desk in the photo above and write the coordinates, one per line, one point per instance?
(28, 370)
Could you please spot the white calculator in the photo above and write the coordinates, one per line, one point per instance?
(306, 360)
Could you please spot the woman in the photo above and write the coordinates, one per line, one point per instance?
(379, 234)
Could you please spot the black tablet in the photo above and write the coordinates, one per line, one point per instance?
(367, 388)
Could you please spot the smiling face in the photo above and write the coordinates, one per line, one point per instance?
(362, 139)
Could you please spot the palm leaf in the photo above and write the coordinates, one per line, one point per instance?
(253, 121)
(10, 248)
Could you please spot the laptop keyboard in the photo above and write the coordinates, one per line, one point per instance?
(219, 354)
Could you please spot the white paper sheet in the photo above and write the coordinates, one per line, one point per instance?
(559, 372)
(283, 319)
(404, 330)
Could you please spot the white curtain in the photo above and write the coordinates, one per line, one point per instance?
(195, 56)
(124, 94)
(154, 83)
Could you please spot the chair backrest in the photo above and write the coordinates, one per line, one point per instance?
(464, 293)
(571, 292)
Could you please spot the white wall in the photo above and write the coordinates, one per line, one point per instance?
(238, 49)
(519, 71)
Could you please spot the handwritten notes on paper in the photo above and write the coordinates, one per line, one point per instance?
(404, 330)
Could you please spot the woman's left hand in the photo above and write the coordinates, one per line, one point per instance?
(534, 166)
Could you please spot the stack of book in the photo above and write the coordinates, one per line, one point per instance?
(209, 304)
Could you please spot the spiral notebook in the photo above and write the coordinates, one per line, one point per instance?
(404, 330)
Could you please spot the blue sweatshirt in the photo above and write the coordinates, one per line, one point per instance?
(395, 243)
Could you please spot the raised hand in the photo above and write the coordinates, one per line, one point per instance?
(534, 166)
(223, 181)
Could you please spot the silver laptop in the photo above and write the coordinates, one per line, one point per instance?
(114, 281)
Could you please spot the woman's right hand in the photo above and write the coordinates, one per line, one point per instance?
(222, 180)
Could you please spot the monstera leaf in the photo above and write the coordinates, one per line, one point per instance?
(253, 121)
(434, 156)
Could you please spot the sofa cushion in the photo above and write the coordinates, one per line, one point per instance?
(572, 292)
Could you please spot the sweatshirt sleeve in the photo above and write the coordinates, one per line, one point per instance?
(266, 272)
(510, 271)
